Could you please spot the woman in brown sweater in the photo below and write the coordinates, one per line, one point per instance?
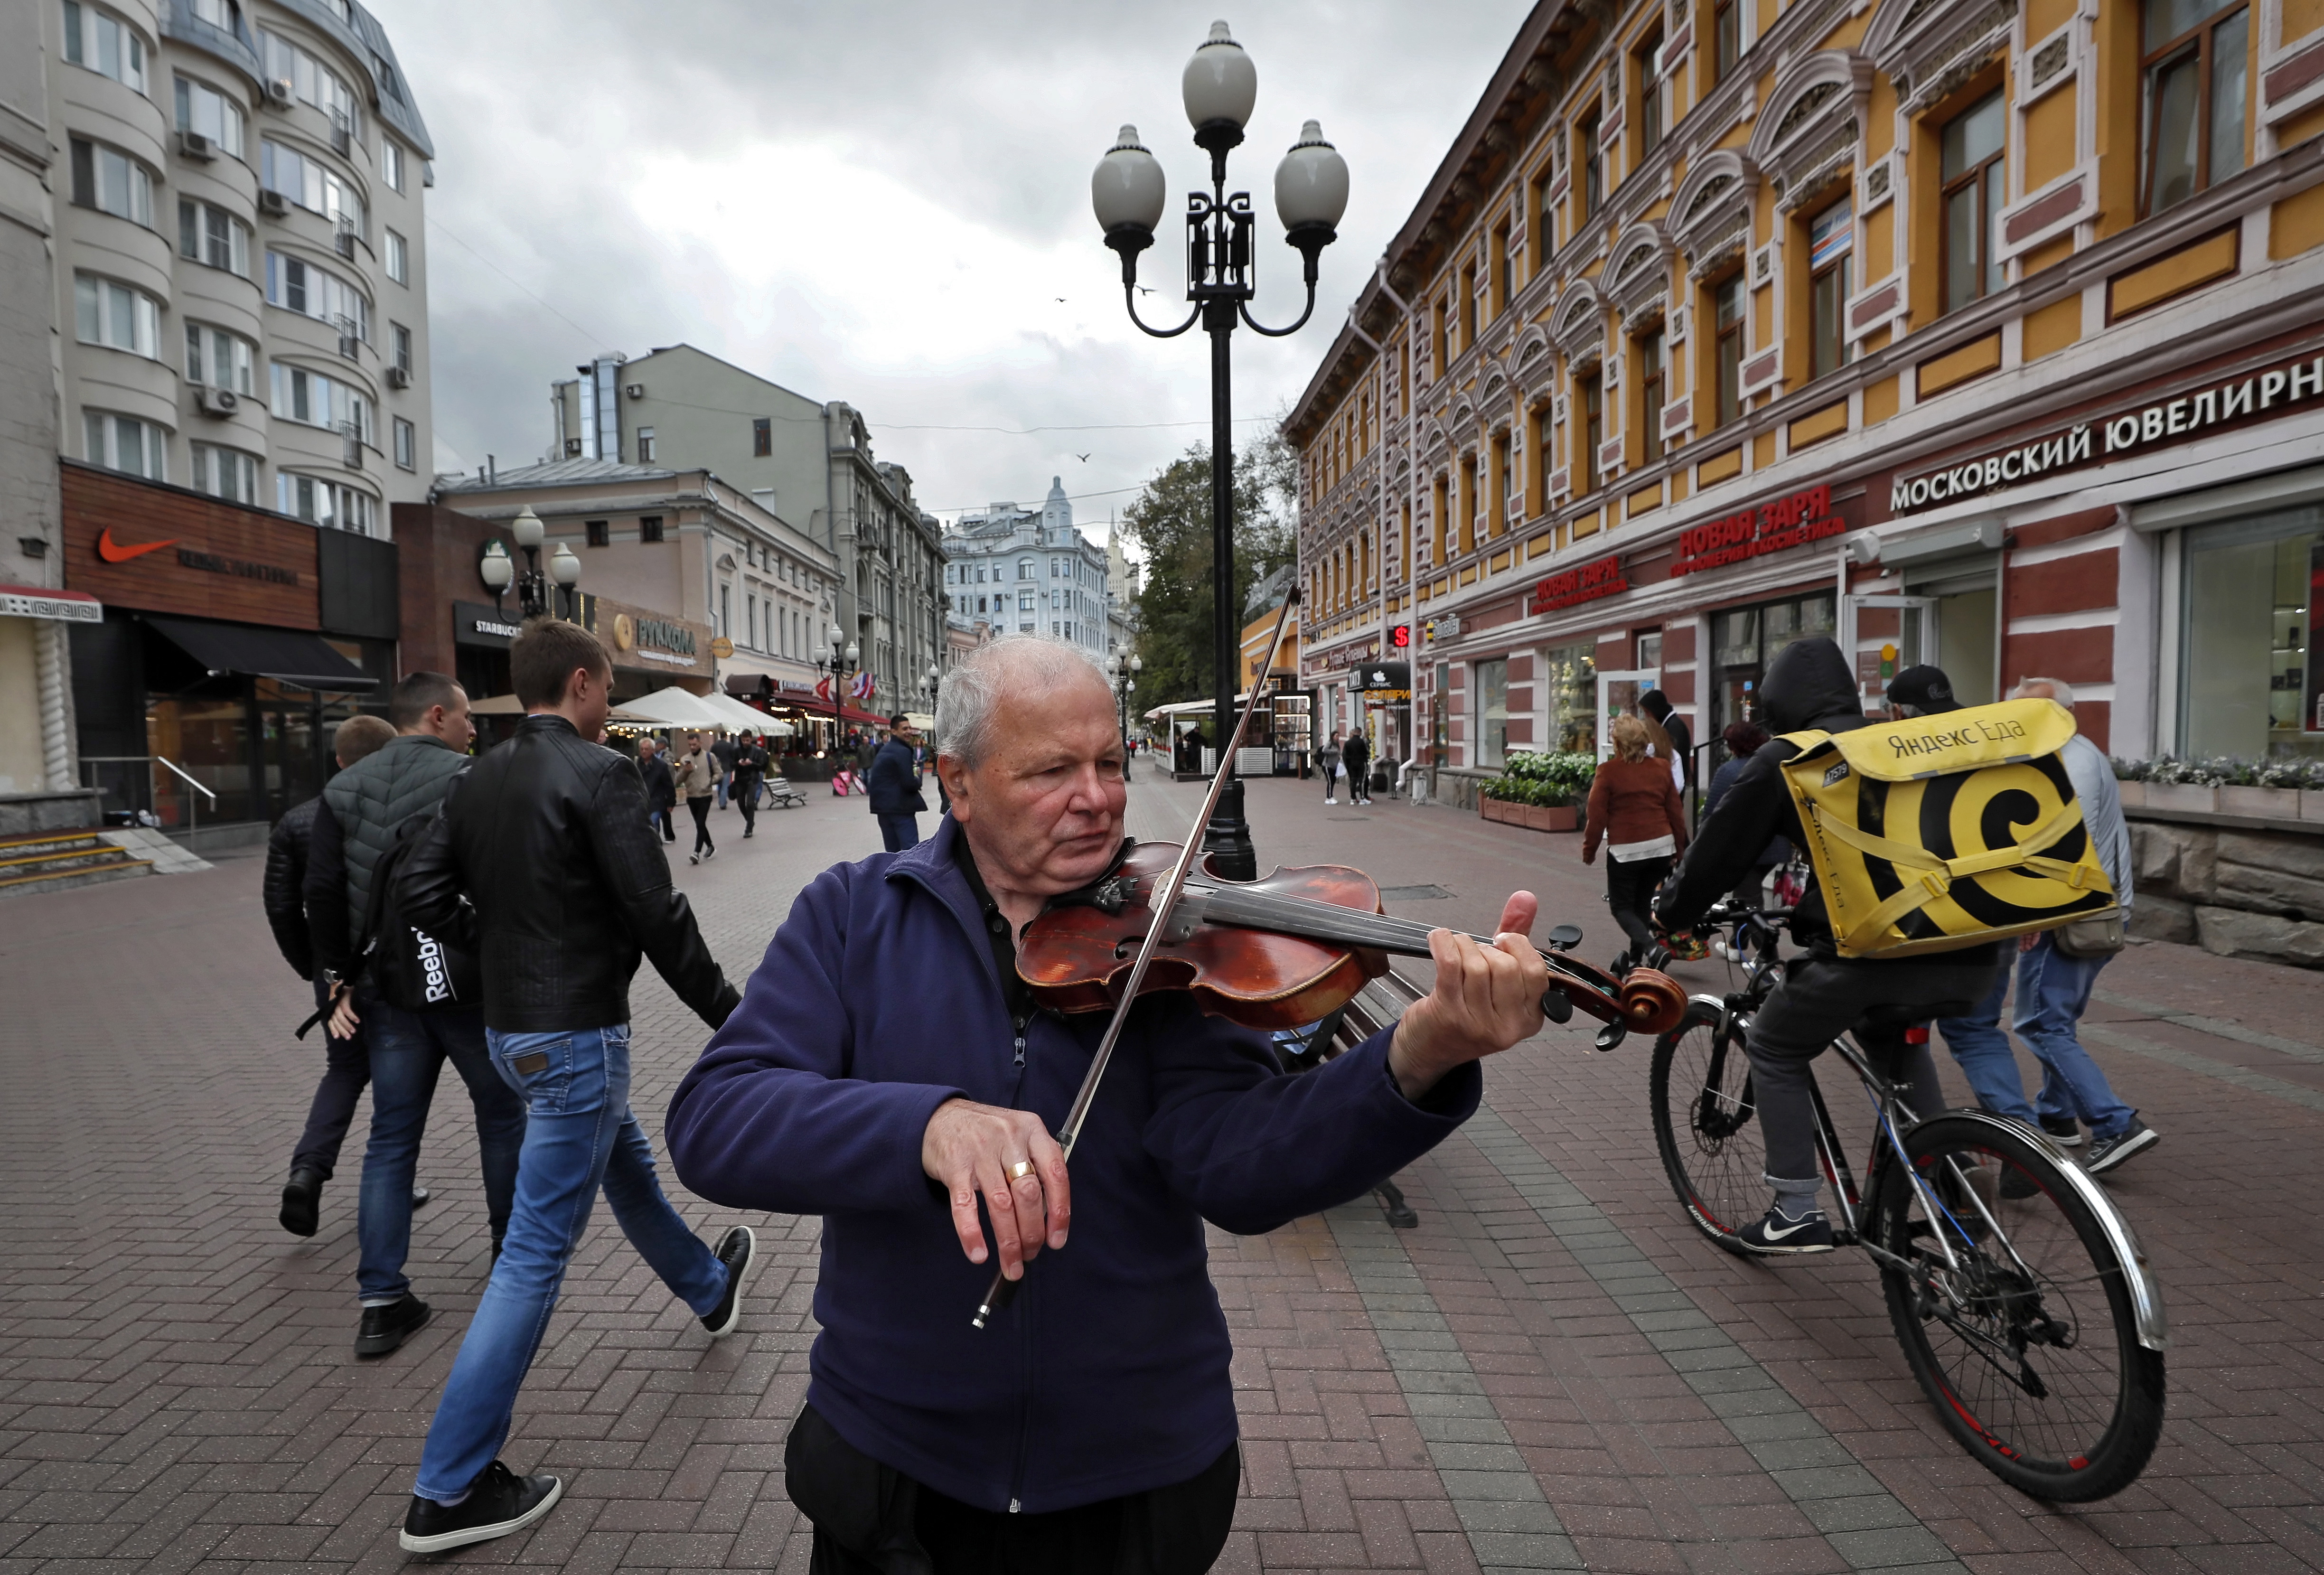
(1634, 810)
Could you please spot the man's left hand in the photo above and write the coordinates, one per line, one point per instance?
(1485, 1000)
(343, 1020)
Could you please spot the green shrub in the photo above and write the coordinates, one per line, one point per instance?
(1550, 779)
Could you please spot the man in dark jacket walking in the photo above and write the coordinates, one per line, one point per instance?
(346, 1068)
(362, 808)
(543, 865)
(890, 1071)
(1809, 686)
(661, 788)
(750, 768)
(1654, 702)
(895, 787)
(1356, 755)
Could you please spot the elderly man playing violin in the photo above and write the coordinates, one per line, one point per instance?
(889, 1070)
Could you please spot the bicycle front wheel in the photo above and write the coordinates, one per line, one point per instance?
(1706, 1124)
(2026, 1342)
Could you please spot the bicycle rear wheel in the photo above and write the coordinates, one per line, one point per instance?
(2028, 1348)
(1706, 1124)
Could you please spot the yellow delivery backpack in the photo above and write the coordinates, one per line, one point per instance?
(1944, 832)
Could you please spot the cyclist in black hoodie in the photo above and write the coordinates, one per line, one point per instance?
(1809, 687)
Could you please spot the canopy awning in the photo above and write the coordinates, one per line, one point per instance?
(1191, 707)
(742, 718)
(509, 705)
(674, 707)
(288, 656)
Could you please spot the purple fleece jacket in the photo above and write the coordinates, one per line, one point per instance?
(877, 1001)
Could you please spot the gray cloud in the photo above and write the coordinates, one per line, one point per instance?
(881, 203)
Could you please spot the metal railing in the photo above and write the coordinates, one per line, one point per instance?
(193, 807)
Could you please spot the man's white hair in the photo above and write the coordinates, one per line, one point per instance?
(2059, 690)
(1018, 664)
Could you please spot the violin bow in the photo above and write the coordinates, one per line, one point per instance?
(997, 1293)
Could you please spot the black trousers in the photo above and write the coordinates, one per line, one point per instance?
(347, 1072)
(701, 808)
(745, 794)
(870, 1519)
(1630, 892)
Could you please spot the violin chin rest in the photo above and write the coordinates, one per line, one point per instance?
(1653, 1002)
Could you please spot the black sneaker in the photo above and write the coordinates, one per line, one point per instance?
(2063, 1131)
(738, 1249)
(1782, 1232)
(385, 1328)
(694, 857)
(419, 1196)
(302, 1198)
(2107, 1153)
(499, 1502)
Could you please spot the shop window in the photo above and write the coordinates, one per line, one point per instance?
(1650, 652)
(1570, 695)
(2251, 675)
(1653, 360)
(1975, 186)
(648, 528)
(1832, 236)
(1726, 38)
(598, 532)
(1490, 680)
(1591, 167)
(2193, 59)
(1650, 95)
(1745, 639)
(1728, 301)
(1590, 431)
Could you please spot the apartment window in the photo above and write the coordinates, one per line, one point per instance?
(645, 445)
(308, 182)
(1726, 37)
(319, 502)
(751, 621)
(310, 80)
(390, 163)
(1832, 236)
(119, 443)
(219, 359)
(316, 293)
(111, 182)
(313, 400)
(407, 444)
(726, 611)
(1587, 156)
(1438, 316)
(107, 312)
(220, 14)
(1973, 172)
(1024, 601)
(1650, 94)
(399, 338)
(1590, 432)
(1505, 274)
(1728, 301)
(1543, 461)
(1654, 361)
(649, 528)
(104, 43)
(207, 112)
(1025, 569)
(1544, 218)
(1504, 488)
(1467, 305)
(225, 472)
(399, 257)
(207, 233)
(762, 437)
(2192, 57)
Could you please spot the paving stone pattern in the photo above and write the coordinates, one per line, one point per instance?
(1552, 1371)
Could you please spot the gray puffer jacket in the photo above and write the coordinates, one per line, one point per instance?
(407, 776)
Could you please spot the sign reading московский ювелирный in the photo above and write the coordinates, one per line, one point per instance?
(2251, 397)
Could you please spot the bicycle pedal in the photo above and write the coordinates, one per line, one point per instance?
(1846, 1238)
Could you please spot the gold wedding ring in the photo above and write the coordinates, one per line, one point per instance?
(1020, 1170)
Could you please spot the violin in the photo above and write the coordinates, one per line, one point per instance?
(1288, 949)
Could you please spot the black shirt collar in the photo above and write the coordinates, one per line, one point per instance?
(1013, 989)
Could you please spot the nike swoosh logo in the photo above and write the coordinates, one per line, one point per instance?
(1771, 1234)
(112, 551)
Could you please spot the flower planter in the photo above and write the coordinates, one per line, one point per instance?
(2182, 795)
(2312, 804)
(1492, 808)
(1563, 817)
(2267, 803)
(2133, 794)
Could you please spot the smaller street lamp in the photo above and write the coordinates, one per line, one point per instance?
(1122, 669)
(565, 568)
(497, 570)
(841, 663)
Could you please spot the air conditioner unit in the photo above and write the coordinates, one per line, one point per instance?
(216, 401)
(398, 377)
(279, 94)
(274, 204)
(636, 391)
(573, 448)
(193, 146)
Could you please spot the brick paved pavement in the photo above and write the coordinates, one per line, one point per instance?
(1552, 1371)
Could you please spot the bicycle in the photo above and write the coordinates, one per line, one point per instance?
(2025, 1307)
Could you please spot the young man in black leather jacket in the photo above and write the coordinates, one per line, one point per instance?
(542, 866)
(1809, 686)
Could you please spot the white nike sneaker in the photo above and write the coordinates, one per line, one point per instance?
(1781, 1232)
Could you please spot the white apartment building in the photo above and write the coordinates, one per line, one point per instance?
(1028, 571)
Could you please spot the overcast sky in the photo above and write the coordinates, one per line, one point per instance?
(884, 202)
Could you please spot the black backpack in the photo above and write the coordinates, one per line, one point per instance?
(408, 967)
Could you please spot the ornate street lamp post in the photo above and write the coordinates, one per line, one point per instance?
(842, 665)
(499, 571)
(1125, 685)
(1220, 87)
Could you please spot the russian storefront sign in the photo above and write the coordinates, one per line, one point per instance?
(2255, 396)
(1791, 520)
(1577, 586)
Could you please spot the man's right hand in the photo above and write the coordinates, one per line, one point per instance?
(971, 1149)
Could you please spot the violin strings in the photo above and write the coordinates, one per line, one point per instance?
(1319, 920)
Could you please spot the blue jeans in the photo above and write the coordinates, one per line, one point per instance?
(2054, 990)
(580, 1136)
(408, 1051)
(900, 831)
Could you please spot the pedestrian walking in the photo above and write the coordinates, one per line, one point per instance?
(723, 752)
(1356, 759)
(1676, 740)
(363, 809)
(696, 772)
(1635, 811)
(895, 787)
(543, 863)
(2055, 976)
(346, 1069)
(661, 788)
(1330, 759)
(1743, 740)
(750, 770)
